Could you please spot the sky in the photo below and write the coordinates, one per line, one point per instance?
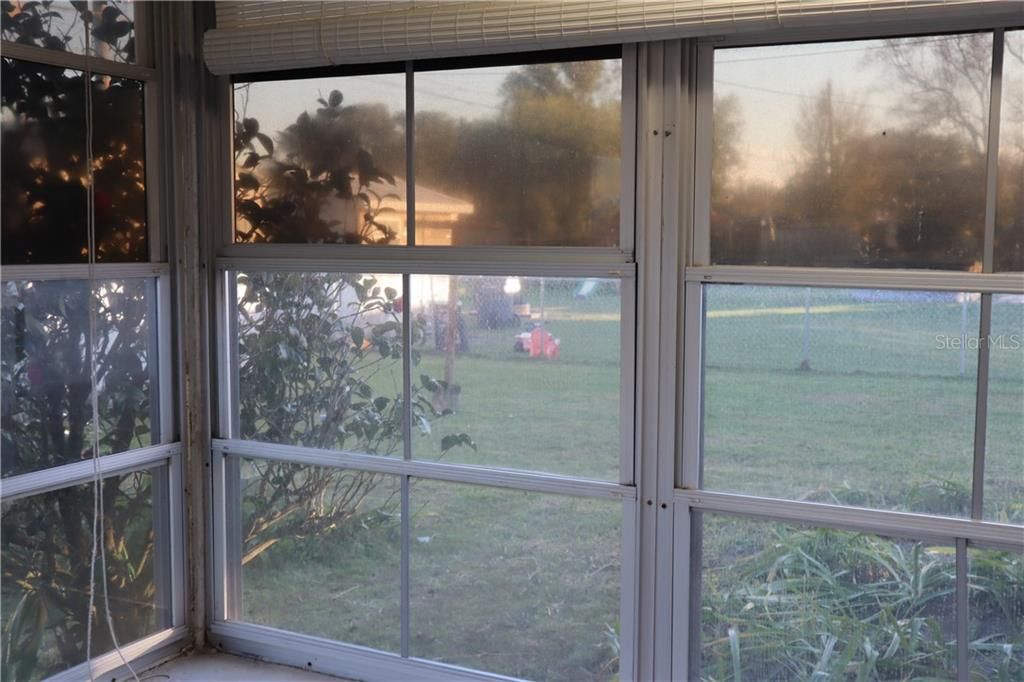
(774, 83)
(465, 93)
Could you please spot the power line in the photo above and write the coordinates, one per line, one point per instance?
(800, 95)
(796, 55)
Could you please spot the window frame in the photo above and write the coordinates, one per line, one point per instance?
(669, 191)
(689, 497)
(617, 262)
(164, 459)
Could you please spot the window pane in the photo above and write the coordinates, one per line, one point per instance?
(996, 608)
(847, 396)
(851, 154)
(46, 555)
(529, 366)
(782, 602)
(1009, 244)
(321, 160)
(47, 405)
(522, 584)
(45, 210)
(519, 155)
(320, 360)
(1004, 452)
(119, 151)
(321, 550)
(104, 29)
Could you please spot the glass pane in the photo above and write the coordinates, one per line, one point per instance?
(321, 550)
(321, 160)
(782, 602)
(320, 360)
(519, 155)
(996, 608)
(47, 404)
(1004, 446)
(528, 365)
(522, 584)
(851, 154)
(1009, 244)
(46, 556)
(846, 396)
(45, 210)
(119, 169)
(104, 29)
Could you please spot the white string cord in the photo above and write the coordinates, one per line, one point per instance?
(98, 546)
(91, 247)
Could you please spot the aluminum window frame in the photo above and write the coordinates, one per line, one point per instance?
(668, 262)
(164, 462)
(690, 499)
(226, 580)
(166, 454)
(618, 263)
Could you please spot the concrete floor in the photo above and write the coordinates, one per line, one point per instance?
(209, 667)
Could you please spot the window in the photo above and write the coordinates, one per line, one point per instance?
(47, 541)
(529, 155)
(359, 564)
(995, 614)
(852, 354)
(794, 379)
(851, 154)
(780, 601)
(1004, 476)
(47, 395)
(45, 126)
(104, 29)
(543, 379)
(696, 358)
(556, 571)
(436, 435)
(316, 160)
(1009, 235)
(317, 356)
(85, 323)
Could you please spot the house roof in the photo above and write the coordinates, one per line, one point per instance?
(427, 200)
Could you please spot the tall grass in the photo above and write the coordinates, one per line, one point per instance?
(817, 604)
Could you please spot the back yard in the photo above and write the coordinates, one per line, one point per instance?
(540, 598)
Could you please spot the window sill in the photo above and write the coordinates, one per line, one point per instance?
(227, 668)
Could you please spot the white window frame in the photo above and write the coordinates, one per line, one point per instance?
(688, 497)
(666, 129)
(225, 630)
(163, 459)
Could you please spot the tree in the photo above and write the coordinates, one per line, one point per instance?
(725, 152)
(46, 374)
(861, 192)
(949, 77)
(47, 421)
(319, 363)
(322, 157)
(950, 80)
(314, 348)
(44, 163)
(531, 169)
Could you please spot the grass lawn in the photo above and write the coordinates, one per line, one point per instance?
(516, 408)
(880, 416)
(527, 584)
